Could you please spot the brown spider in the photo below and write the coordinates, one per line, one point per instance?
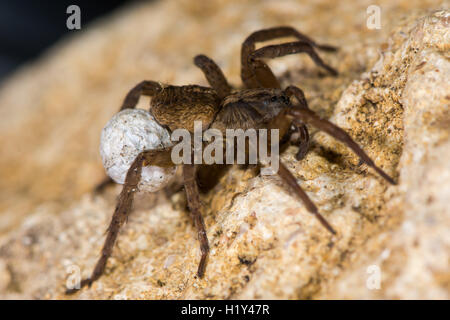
(261, 104)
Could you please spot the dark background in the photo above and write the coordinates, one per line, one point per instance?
(28, 27)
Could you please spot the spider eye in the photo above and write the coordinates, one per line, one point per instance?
(274, 98)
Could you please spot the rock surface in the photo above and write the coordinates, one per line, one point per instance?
(392, 96)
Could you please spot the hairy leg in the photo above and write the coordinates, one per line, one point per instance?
(280, 50)
(281, 32)
(193, 200)
(120, 215)
(123, 208)
(257, 74)
(146, 88)
(306, 115)
(299, 136)
(287, 176)
(214, 75)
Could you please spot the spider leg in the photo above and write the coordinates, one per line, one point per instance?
(214, 75)
(287, 176)
(306, 115)
(280, 50)
(259, 76)
(193, 200)
(281, 32)
(120, 215)
(256, 74)
(123, 208)
(299, 136)
(146, 88)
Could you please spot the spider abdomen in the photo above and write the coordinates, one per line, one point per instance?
(178, 107)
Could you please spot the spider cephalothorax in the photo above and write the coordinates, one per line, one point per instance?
(261, 104)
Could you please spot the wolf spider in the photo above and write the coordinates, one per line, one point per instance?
(261, 104)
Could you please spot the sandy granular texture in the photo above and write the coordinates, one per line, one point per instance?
(392, 96)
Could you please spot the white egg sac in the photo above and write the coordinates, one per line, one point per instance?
(128, 133)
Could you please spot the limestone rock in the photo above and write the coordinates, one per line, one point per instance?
(392, 97)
